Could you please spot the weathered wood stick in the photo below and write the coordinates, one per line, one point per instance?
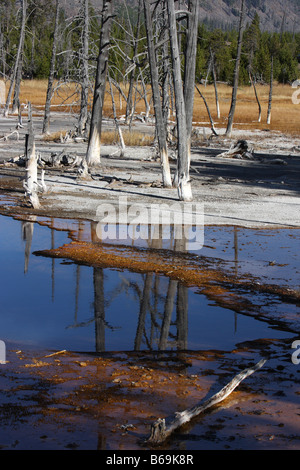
(160, 431)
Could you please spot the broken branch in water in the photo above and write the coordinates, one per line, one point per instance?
(160, 431)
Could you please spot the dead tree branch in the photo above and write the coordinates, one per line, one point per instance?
(160, 430)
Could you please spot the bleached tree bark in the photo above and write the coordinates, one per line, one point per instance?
(94, 143)
(17, 63)
(159, 118)
(183, 157)
(31, 182)
(236, 70)
(46, 122)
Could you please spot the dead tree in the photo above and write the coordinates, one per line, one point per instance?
(83, 115)
(215, 84)
(17, 69)
(31, 182)
(236, 70)
(253, 83)
(271, 91)
(212, 125)
(184, 96)
(161, 131)
(118, 127)
(129, 102)
(190, 64)
(94, 143)
(46, 122)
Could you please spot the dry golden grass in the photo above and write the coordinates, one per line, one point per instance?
(131, 139)
(285, 114)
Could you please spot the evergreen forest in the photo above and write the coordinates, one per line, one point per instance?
(259, 47)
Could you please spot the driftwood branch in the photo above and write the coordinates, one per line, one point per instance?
(163, 428)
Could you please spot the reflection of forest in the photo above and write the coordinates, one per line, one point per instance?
(149, 297)
(156, 327)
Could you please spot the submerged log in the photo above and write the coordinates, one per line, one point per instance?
(163, 428)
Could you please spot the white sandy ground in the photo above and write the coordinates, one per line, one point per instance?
(263, 192)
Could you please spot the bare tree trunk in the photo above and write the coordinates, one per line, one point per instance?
(18, 59)
(190, 64)
(94, 144)
(129, 104)
(236, 70)
(183, 158)
(2, 52)
(118, 127)
(16, 101)
(208, 111)
(31, 183)
(83, 116)
(46, 122)
(159, 118)
(271, 91)
(215, 84)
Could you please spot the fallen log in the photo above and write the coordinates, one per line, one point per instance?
(161, 429)
(240, 148)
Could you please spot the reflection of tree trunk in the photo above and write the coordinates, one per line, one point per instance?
(182, 316)
(53, 263)
(99, 311)
(169, 304)
(236, 249)
(27, 232)
(144, 305)
(77, 291)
